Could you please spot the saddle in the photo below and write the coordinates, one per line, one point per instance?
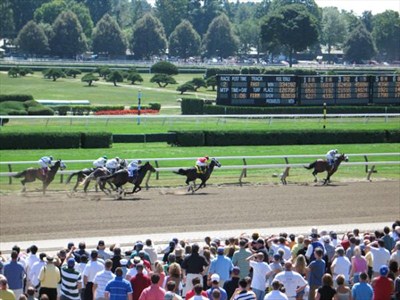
(200, 170)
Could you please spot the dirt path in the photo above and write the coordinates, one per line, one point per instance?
(55, 216)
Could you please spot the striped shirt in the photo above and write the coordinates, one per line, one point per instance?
(101, 280)
(69, 282)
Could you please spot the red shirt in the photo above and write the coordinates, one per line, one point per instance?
(383, 288)
(191, 293)
(139, 283)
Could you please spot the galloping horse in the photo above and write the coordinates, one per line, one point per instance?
(31, 174)
(191, 175)
(81, 175)
(321, 165)
(121, 177)
(96, 173)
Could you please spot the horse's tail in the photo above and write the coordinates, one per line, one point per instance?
(20, 174)
(310, 166)
(70, 177)
(87, 179)
(180, 172)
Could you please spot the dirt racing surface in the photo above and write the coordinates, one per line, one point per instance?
(58, 215)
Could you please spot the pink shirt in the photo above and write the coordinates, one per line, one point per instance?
(153, 292)
(360, 264)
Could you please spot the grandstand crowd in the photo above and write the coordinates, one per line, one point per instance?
(320, 265)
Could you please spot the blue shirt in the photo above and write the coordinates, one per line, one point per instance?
(119, 288)
(224, 295)
(362, 291)
(317, 268)
(14, 272)
(221, 265)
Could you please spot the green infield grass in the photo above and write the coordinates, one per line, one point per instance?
(256, 176)
(102, 93)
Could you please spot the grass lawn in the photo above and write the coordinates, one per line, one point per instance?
(102, 93)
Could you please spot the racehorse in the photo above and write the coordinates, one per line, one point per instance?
(192, 174)
(98, 172)
(121, 177)
(322, 165)
(31, 174)
(81, 175)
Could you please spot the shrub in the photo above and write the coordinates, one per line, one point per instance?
(187, 86)
(135, 77)
(39, 140)
(40, 110)
(190, 106)
(96, 140)
(164, 67)
(163, 79)
(89, 78)
(15, 97)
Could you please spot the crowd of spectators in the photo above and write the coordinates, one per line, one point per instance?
(320, 265)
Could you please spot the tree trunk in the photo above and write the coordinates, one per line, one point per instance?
(90, 83)
(290, 57)
(115, 83)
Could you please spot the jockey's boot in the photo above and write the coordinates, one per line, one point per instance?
(198, 169)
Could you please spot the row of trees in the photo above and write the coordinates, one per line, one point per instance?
(211, 28)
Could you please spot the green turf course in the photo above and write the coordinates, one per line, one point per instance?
(102, 93)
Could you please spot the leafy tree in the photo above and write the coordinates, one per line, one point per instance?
(333, 27)
(201, 13)
(138, 9)
(121, 11)
(48, 12)
(163, 80)
(13, 72)
(72, 72)
(285, 26)
(249, 35)
(135, 77)
(53, 73)
(83, 14)
(220, 40)
(171, 13)
(198, 83)
(386, 34)
(148, 38)
(98, 8)
(89, 78)
(115, 76)
(32, 39)
(359, 46)
(309, 5)
(69, 39)
(212, 81)
(367, 20)
(108, 38)
(25, 71)
(23, 12)
(164, 67)
(352, 21)
(7, 27)
(184, 41)
(103, 71)
(187, 86)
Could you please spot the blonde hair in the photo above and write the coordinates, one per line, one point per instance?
(174, 270)
(300, 264)
(158, 267)
(327, 279)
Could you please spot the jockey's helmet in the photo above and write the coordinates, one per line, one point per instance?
(206, 157)
(51, 157)
(139, 162)
(104, 156)
(336, 151)
(117, 158)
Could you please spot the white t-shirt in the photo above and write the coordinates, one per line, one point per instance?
(342, 266)
(291, 280)
(381, 256)
(260, 270)
(275, 295)
(287, 255)
(91, 269)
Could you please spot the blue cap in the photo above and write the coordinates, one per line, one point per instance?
(384, 270)
(71, 262)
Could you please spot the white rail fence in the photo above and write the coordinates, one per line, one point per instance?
(369, 163)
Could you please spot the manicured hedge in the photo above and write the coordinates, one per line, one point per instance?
(54, 140)
(300, 137)
(15, 97)
(48, 140)
(96, 140)
(145, 138)
(192, 106)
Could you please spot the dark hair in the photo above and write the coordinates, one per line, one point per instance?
(319, 252)
(216, 293)
(34, 249)
(243, 283)
(14, 254)
(195, 280)
(171, 286)
(195, 248)
(108, 264)
(148, 242)
(16, 248)
(198, 289)
(119, 272)
(155, 278)
(364, 276)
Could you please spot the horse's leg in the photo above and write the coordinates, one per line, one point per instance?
(23, 186)
(315, 176)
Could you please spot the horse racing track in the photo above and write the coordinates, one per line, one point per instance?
(56, 215)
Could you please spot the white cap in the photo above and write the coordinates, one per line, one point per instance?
(215, 277)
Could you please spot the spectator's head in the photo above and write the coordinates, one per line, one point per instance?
(14, 255)
(22, 297)
(216, 294)
(235, 271)
(220, 250)
(117, 251)
(149, 243)
(243, 283)
(119, 272)
(381, 243)
(101, 245)
(82, 246)
(276, 285)
(139, 246)
(84, 259)
(260, 256)
(175, 270)
(340, 279)
(327, 279)
(123, 262)
(169, 295)
(198, 288)
(260, 243)
(386, 230)
(363, 276)
(42, 256)
(33, 249)
(255, 236)
(319, 252)
(71, 263)
(340, 251)
(171, 285)
(30, 291)
(195, 280)
(384, 270)
(44, 297)
(242, 243)
(171, 258)
(288, 266)
(300, 239)
(155, 278)
(292, 237)
(16, 248)
(94, 254)
(139, 267)
(215, 279)
(195, 248)
(50, 259)
(108, 264)
(3, 283)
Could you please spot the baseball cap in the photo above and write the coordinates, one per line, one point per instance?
(123, 262)
(71, 262)
(220, 250)
(261, 241)
(236, 270)
(314, 235)
(384, 270)
(101, 243)
(277, 256)
(215, 277)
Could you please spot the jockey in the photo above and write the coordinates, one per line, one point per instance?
(331, 156)
(202, 164)
(100, 162)
(133, 166)
(112, 165)
(45, 162)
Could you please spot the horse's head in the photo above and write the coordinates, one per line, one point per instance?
(148, 166)
(215, 162)
(59, 163)
(343, 157)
